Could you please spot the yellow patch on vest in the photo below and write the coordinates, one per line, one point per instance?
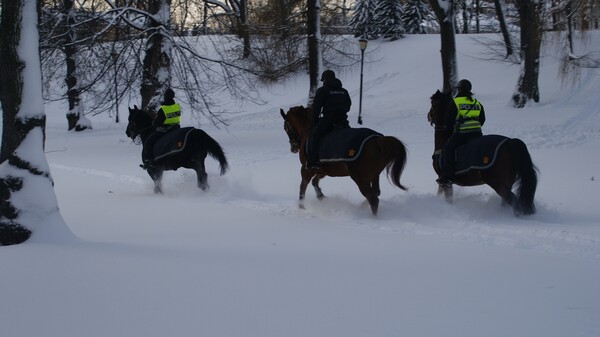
(351, 152)
(486, 160)
(179, 145)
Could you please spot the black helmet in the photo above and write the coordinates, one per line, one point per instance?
(169, 94)
(327, 75)
(464, 86)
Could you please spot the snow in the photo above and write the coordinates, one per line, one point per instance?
(242, 260)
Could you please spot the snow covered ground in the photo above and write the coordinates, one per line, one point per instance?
(242, 260)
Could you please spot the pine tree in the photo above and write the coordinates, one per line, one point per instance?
(415, 12)
(362, 21)
(388, 19)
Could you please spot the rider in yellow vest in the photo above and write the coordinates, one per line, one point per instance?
(167, 118)
(466, 115)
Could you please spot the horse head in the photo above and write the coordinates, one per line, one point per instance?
(297, 123)
(138, 122)
(439, 101)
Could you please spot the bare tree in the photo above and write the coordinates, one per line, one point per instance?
(500, 5)
(315, 57)
(23, 166)
(531, 39)
(444, 11)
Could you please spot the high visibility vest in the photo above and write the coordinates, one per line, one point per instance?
(467, 118)
(172, 114)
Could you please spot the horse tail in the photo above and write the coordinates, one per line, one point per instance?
(393, 148)
(527, 177)
(214, 149)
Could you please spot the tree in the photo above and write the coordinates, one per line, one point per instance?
(27, 197)
(156, 73)
(362, 21)
(415, 12)
(388, 19)
(531, 39)
(444, 11)
(499, 5)
(315, 57)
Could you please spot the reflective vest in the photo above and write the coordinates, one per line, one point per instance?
(172, 114)
(467, 118)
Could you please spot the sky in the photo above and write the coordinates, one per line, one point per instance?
(241, 259)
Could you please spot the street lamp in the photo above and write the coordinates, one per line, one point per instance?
(115, 58)
(362, 44)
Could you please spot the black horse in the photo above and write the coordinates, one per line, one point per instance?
(512, 164)
(191, 148)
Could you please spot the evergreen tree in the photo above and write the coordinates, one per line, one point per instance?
(388, 19)
(362, 21)
(415, 12)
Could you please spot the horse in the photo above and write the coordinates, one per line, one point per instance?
(377, 153)
(512, 164)
(192, 147)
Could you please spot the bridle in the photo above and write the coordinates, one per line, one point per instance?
(134, 134)
(294, 139)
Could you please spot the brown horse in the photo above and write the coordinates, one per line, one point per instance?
(512, 165)
(378, 153)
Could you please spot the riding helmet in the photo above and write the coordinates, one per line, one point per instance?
(327, 75)
(464, 85)
(169, 94)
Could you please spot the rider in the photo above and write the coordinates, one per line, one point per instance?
(333, 102)
(467, 116)
(166, 119)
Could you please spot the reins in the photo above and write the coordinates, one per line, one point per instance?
(294, 139)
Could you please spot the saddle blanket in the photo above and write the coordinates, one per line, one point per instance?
(172, 142)
(478, 154)
(344, 144)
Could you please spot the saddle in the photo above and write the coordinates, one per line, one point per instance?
(478, 154)
(344, 144)
(172, 142)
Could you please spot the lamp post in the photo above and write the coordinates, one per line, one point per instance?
(115, 57)
(362, 44)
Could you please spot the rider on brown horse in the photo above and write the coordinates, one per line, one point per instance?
(333, 101)
(466, 116)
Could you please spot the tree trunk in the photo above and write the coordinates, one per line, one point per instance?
(505, 34)
(244, 27)
(23, 166)
(71, 79)
(531, 40)
(156, 73)
(445, 18)
(314, 46)
(569, 14)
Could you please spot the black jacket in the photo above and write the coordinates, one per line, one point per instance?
(331, 98)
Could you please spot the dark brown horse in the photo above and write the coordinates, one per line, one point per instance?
(512, 166)
(198, 145)
(378, 153)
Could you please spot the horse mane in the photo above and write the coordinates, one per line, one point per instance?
(438, 95)
(304, 114)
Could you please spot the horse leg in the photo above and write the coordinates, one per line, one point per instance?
(508, 198)
(315, 183)
(306, 176)
(156, 176)
(201, 175)
(368, 192)
(375, 186)
(447, 190)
